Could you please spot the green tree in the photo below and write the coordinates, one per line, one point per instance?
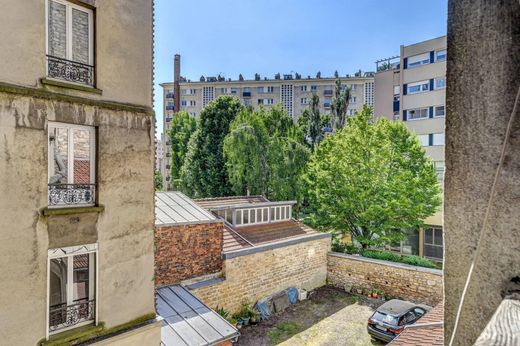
(158, 181)
(204, 173)
(182, 126)
(265, 154)
(372, 180)
(339, 105)
(311, 122)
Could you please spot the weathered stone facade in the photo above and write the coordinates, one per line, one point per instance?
(187, 251)
(256, 275)
(422, 285)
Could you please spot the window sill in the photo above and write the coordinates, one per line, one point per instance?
(67, 85)
(71, 210)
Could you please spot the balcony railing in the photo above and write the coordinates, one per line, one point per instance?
(71, 71)
(64, 316)
(71, 194)
(327, 92)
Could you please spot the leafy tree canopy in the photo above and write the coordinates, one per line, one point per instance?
(204, 173)
(158, 181)
(182, 126)
(372, 180)
(265, 154)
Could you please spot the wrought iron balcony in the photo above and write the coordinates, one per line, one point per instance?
(327, 92)
(64, 316)
(70, 71)
(71, 194)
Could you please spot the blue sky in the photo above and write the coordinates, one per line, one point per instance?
(270, 36)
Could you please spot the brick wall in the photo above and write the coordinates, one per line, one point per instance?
(187, 251)
(417, 284)
(254, 276)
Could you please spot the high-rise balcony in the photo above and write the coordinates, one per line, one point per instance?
(170, 107)
(246, 94)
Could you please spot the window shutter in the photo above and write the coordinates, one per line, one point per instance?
(405, 89)
(430, 139)
(431, 112)
(432, 57)
(405, 63)
(57, 30)
(405, 114)
(80, 36)
(431, 84)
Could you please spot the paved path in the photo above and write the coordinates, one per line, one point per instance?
(345, 327)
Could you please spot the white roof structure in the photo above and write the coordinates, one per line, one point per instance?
(174, 208)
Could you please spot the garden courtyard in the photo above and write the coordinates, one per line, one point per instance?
(329, 316)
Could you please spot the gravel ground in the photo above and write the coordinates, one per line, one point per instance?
(329, 317)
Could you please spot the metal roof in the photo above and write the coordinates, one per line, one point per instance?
(237, 202)
(175, 208)
(188, 321)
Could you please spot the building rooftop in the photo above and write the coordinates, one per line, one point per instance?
(175, 208)
(187, 321)
(219, 202)
(427, 331)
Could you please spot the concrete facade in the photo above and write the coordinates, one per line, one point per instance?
(255, 275)
(482, 190)
(120, 221)
(421, 285)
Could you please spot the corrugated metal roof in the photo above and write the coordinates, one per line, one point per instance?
(174, 208)
(189, 322)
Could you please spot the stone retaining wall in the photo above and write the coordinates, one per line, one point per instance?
(266, 270)
(422, 285)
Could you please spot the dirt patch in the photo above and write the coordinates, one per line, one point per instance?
(329, 317)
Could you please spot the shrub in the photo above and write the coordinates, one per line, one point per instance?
(382, 255)
(418, 261)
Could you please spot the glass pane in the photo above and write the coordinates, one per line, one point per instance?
(57, 292)
(246, 216)
(80, 279)
(287, 212)
(277, 213)
(239, 217)
(411, 243)
(82, 158)
(438, 236)
(259, 215)
(428, 236)
(229, 216)
(58, 148)
(265, 215)
(80, 36)
(272, 214)
(57, 35)
(252, 215)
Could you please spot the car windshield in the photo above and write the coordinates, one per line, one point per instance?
(388, 319)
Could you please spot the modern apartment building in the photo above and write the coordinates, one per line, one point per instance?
(76, 173)
(159, 152)
(292, 91)
(411, 88)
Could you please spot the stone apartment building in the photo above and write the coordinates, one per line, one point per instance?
(411, 88)
(292, 91)
(76, 172)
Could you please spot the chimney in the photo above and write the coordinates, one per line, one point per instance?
(176, 85)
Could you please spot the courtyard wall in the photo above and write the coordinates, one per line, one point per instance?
(422, 285)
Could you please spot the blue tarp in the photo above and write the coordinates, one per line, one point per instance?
(266, 307)
(292, 293)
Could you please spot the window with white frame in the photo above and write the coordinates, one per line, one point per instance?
(280, 213)
(433, 242)
(351, 111)
(440, 83)
(234, 90)
(71, 170)
(439, 168)
(252, 216)
(438, 139)
(397, 89)
(71, 283)
(440, 55)
(314, 88)
(303, 101)
(424, 139)
(418, 87)
(192, 103)
(270, 101)
(270, 89)
(439, 111)
(418, 60)
(303, 88)
(70, 42)
(418, 113)
(184, 103)
(353, 99)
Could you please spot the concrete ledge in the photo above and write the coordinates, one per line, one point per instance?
(71, 210)
(275, 245)
(66, 85)
(388, 263)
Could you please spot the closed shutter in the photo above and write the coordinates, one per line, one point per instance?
(57, 30)
(405, 115)
(431, 84)
(80, 36)
(405, 63)
(432, 57)
(430, 139)
(431, 112)
(405, 89)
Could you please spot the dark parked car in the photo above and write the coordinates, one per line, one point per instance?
(391, 317)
